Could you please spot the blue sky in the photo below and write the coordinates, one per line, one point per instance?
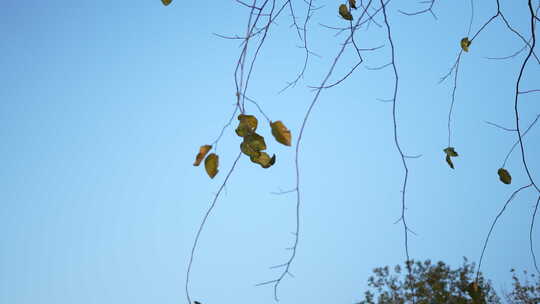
(104, 105)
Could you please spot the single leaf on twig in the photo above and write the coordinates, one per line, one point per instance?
(281, 133)
(352, 3)
(344, 12)
(166, 2)
(450, 152)
(504, 176)
(247, 125)
(211, 164)
(202, 153)
(465, 43)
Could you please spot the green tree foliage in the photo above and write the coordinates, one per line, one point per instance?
(429, 284)
(526, 291)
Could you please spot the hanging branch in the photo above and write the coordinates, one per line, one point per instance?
(304, 39)
(241, 83)
(531, 237)
(493, 225)
(403, 220)
(201, 226)
(520, 136)
(516, 99)
(287, 265)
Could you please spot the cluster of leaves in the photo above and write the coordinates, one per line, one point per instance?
(252, 145)
(429, 283)
(211, 162)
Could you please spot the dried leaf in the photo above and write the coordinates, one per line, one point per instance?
(202, 153)
(344, 12)
(450, 152)
(465, 43)
(211, 164)
(247, 125)
(248, 150)
(352, 3)
(449, 161)
(504, 176)
(264, 159)
(255, 142)
(166, 2)
(281, 133)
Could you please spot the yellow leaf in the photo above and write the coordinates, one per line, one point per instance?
(202, 153)
(166, 2)
(450, 152)
(465, 43)
(344, 12)
(504, 176)
(211, 164)
(248, 150)
(255, 142)
(352, 3)
(247, 125)
(281, 133)
(264, 159)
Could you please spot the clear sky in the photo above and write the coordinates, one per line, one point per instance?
(104, 104)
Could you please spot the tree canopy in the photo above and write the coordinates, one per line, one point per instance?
(429, 283)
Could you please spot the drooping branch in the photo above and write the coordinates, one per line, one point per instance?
(531, 235)
(201, 226)
(493, 226)
(318, 90)
(516, 99)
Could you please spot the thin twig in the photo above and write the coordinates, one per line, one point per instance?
(201, 226)
(493, 225)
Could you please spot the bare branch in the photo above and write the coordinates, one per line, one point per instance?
(531, 237)
(493, 225)
(427, 10)
(406, 229)
(529, 91)
(500, 127)
(201, 226)
(517, 141)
